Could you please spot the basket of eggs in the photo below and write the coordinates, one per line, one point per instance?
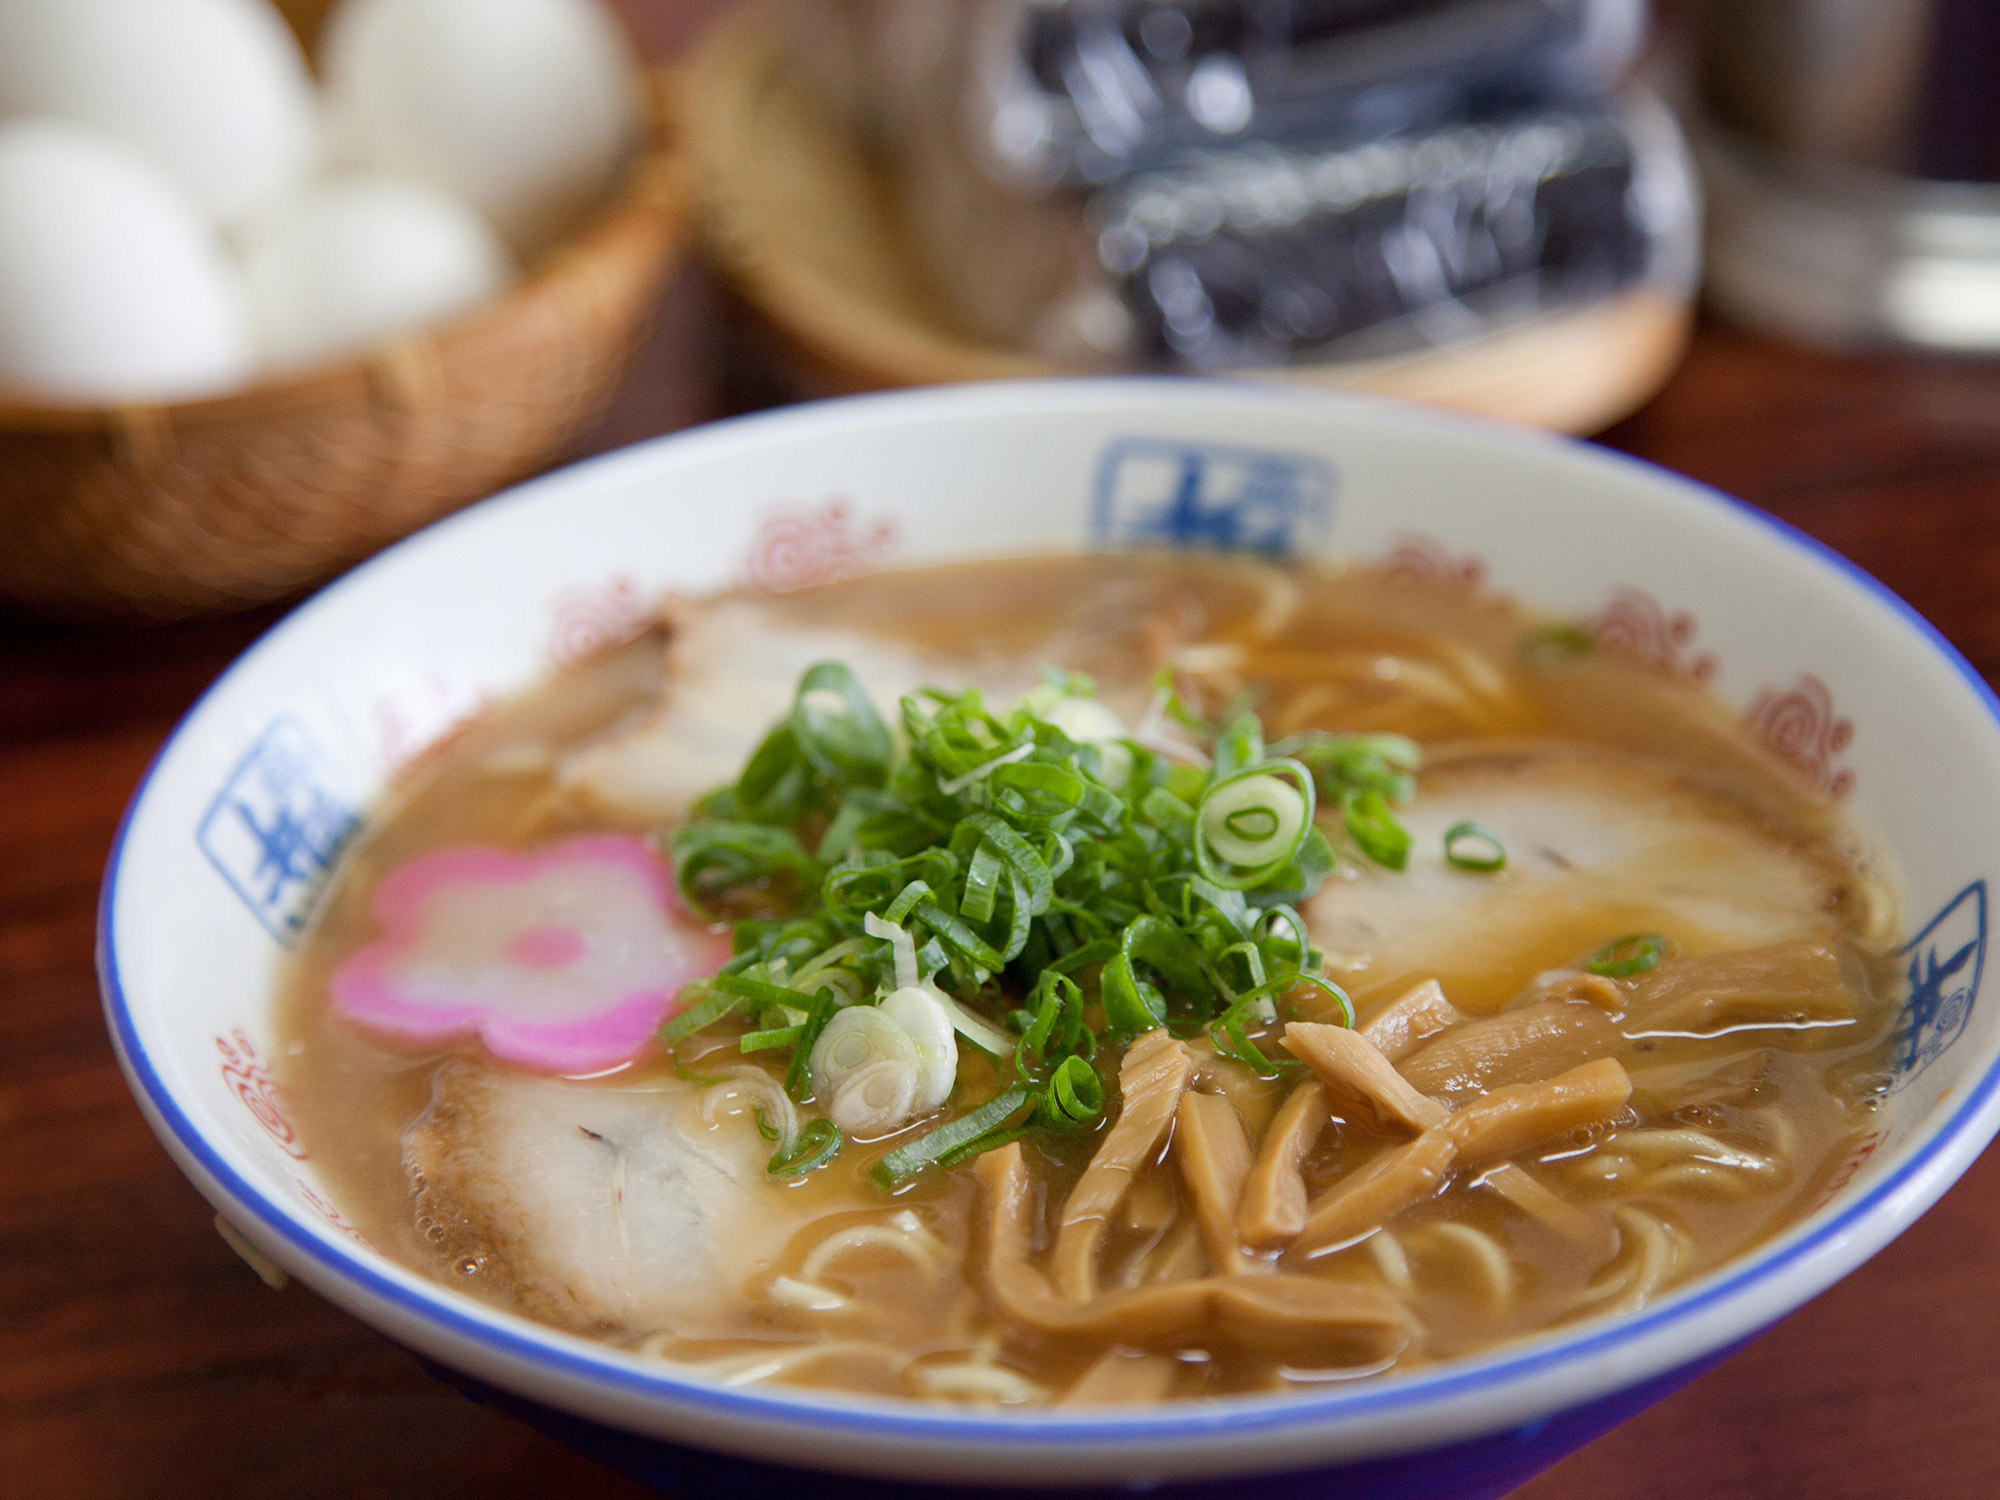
(259, 317)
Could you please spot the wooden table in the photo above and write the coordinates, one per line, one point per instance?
(139, 1357)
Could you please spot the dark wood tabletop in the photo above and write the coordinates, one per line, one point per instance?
(140, 1357)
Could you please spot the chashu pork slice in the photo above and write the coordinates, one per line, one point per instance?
(598, 1209)
(733, 660)
(1594, 840)
(732, 666)
(731, 671)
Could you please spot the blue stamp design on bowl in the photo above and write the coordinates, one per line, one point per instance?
(1946, 962)
(276, 827)
(1186, 494)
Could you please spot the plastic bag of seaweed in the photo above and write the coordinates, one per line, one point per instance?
(1087, 91)
(1272, 255)
(1075, 179)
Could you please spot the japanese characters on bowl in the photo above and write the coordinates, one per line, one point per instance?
(183, 211)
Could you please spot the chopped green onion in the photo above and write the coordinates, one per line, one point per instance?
(1366, 815)
(1239, 747)
(1037, 795)
(1309, 867)
(1053, 1024)
(1074, 1096)
(797, 1076)
(1130, 1005)
(1014, 853)
(1300, 950)
(1005, 863)
(765, 1128)
(688, 1075)
(1168, 813)
(984, 1035)
(762, 991)
(856, 808)
(854, 1039)
(1555, 645)
(951, 1137)
(901, 944)
(901, 907)
(837, 728)
(704, 1012)
(818, 1144)
(1474, 846)
(1632, 954)
(1172, 954)
(716, 857)
(1249, 826)
(960, 782)
(804, 976)
(1328, 988)
(1167, 704)
(1229, 1038)
(979, 1146)
(1082, 958)
(764, 1041)
(1253, 962)
(1343, 763)
(959, 939)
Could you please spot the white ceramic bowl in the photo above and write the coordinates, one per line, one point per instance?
(227, 839)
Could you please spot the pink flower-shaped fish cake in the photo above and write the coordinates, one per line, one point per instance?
(565, 960)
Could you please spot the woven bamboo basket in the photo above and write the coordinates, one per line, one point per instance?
(799, 221)
(199, 507)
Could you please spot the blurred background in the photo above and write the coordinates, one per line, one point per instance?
(281, 283)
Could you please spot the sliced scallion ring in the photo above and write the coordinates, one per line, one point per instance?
(1131, 1006)
(901, 945)
(1474, 846)
(1075, 1095)
(982, 1033)
(1634, 953)
(1248, 827)
(855, 1038)
(962, 1135)
(874, 1100)
(836, 728)
(818, 1144)
(1556, 645)
(1365, 813)
(920, 1011)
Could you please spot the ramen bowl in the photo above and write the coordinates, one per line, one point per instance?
(228, 840)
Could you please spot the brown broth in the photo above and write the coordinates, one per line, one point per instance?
(1347, 647)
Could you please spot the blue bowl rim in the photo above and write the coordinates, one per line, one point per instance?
(1235, 1417)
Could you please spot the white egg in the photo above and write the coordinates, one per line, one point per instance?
(353, 262)
(526, 109)
(214, 91)
(113, 286)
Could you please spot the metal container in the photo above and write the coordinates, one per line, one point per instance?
(1852, 150)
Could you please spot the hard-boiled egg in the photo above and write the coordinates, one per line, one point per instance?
(526, 109)
(355, 261)
(213, 91)
(113, 287)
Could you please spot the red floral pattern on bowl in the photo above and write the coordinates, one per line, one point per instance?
(1417, 558)
(584, 622)
(798, 546)
(1636, 623)
(1798, 725)
(248, 1077)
